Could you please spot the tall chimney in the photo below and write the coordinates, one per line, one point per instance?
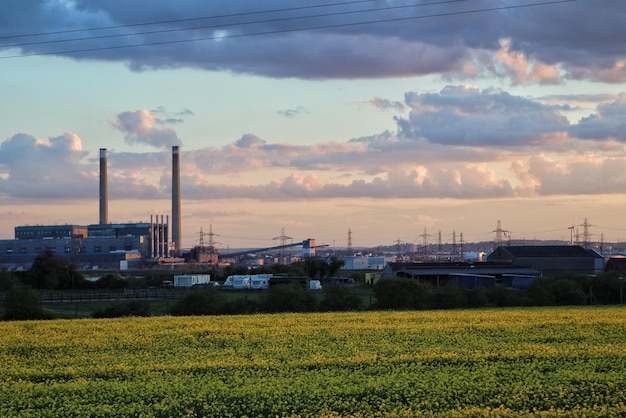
(176, 235)
(104, 188)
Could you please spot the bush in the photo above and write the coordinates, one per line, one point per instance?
(606, 288)
(339, 298)
(22, 302)
(290, 297)
(476, 297)
(567, 292)
(557, 291)
(112, 281)
(539, 293)
(400, 294)
(449, 297)
(121, 309)
(240, 306)
(502, 296)
(204, 302)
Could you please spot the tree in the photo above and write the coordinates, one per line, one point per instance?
(7, 279)
(317, 267)
(52, 272)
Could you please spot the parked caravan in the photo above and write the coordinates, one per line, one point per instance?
(248, 281)
(260, 281)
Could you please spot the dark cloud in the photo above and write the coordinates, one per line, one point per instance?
(540, 44)
(609, 122)
(461, 115)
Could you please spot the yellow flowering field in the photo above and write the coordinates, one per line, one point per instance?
(491, 362)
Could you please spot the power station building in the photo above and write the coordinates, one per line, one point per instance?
(106, 246)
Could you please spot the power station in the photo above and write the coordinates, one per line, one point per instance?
(109, 245)
(105, 244)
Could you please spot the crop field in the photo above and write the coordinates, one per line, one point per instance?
(491, 362)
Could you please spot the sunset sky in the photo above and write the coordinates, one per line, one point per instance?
(383, 117)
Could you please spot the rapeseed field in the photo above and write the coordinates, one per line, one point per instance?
(487, 362)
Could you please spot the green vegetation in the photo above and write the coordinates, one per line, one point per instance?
(22, 302)
(481, 362)
(64, 293)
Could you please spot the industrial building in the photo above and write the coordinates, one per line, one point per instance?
(550, 259)
(366, 262)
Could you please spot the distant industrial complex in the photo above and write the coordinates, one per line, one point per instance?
(107, 245)
(157, 243)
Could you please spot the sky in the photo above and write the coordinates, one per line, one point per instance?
(379, 120)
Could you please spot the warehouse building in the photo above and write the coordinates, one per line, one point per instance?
(550, 259)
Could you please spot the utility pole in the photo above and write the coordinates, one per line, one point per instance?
(439, 245)
(462, 249)
(282, 239)
(349, 249)
(500, 235)
(424, 237)
(454, 249)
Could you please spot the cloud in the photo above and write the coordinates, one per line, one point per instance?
(57, 169)
(139, 127)
(38, 168)
(290, 113)
(419, 182)
(170, 118)
(385, 104)
(536, 44)
(609, 122)
(586, 176)
(466, 115)
(461, 142)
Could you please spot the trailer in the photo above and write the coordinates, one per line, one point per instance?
(248, 281)
(260, 281)
(189, 280)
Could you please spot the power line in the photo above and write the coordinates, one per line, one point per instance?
(273, 32)
(224, 25)
(289, 9)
